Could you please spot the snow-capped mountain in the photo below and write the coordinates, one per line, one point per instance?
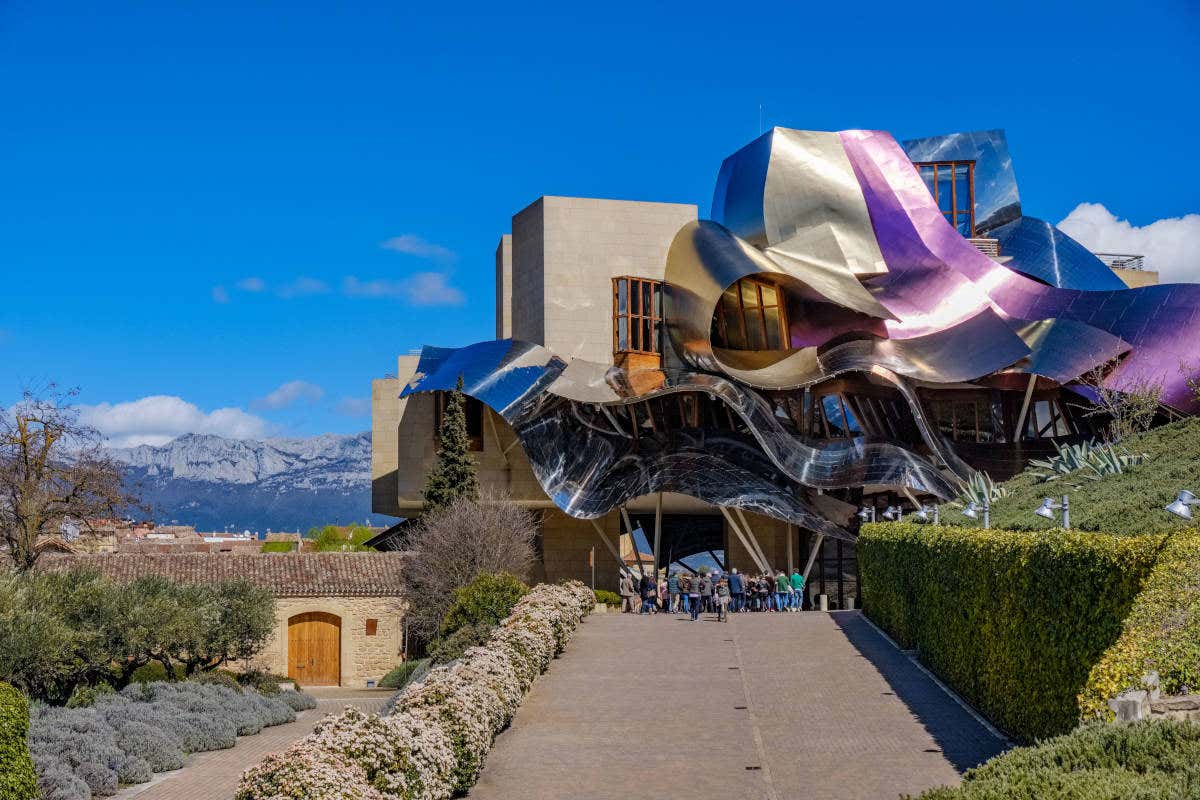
(281, 484)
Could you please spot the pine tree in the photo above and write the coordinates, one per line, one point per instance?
(453, 475)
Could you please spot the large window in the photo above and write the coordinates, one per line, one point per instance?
(637, 315)
(952, 184)
(751, 316)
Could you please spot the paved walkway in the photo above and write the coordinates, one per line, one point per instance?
(214, 775)
(769, 706)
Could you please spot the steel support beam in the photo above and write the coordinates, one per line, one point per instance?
(733, 526)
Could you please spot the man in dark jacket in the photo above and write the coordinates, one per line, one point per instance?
(649, 594)
(737, 591)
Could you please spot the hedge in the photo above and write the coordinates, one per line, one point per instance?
(1145, 760)
(1013, 622)
(17, 780)
(1129, 503)
(1161, 633)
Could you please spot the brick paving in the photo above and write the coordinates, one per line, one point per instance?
(767, 706)
(214, 775)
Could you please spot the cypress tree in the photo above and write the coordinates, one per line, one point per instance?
(453, 474)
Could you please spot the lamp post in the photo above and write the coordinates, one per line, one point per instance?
(1048, 507)
(867, 513)
(972, 512)
(1181, 506)
(893, 514)
(923, 513)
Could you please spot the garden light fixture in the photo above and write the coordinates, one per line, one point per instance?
(867, 513)
(923, 513)
(894, 513)
(1048, 507)
(1181, 506)
(972, 512)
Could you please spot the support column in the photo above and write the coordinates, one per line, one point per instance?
(608, 543)
(733, 526)
(790, 532)
(754, 539)
(657, 532)
(812, 555)
(637, 553)
(1019, 433)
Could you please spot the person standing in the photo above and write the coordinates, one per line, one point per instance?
(695, 592)
(625, 589)
(737, 591)
(673, 592)
(781, 591)
(723, 601)
(649, 593)
(709, 588)
(797, 582)
(662, 593)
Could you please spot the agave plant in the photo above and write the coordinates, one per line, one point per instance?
(1093, 461)
(980, 489)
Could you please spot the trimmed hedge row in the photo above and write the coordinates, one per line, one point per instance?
(1162, 632)
(17, 779)
(1013, 622)
(1145, 760)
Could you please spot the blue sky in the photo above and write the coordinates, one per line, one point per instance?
(211, 200)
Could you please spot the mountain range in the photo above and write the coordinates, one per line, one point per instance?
(216, 483)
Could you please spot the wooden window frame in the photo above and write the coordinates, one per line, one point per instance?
(955, 212)
(634, 288)
(759, 311)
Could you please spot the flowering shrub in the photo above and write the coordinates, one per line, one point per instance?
(124, 738)
(433, 741)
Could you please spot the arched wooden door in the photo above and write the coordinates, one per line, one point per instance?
(315, 649)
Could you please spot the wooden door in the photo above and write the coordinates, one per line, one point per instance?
(314, 649)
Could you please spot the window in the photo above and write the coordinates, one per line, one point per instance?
(372, 627)
(966, 420)
(472, 409)
(637, 315)
(751, 316)
(952, 184)
(1045, 419)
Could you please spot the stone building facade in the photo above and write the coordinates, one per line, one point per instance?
(339, 619)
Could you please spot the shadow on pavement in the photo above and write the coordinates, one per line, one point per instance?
(964, 742)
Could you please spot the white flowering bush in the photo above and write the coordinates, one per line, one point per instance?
(433, 739)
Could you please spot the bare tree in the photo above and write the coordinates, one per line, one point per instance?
(450, 547)
(1129, 410)
(53, 471)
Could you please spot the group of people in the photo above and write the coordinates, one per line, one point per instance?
(711, 592)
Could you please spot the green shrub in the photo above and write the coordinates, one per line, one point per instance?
(264, 682)
(402, 673)
(1013, 622)
(278, 547)
(154, 672)
(1145, 760)
(486, 600)
(85, 696)
(17, 780)
(447, 648)
(1162, 632)
(220, 677)
(608, 598)
(1129, 503)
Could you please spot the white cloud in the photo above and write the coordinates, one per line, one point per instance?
(252, 284)
(1171, 246)
(413, 245)
(291, 392)
(158, 419)
(354, 407)
(418, 289)
(303, 287)
(220, 294)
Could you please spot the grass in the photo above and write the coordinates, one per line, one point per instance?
(1127, 504)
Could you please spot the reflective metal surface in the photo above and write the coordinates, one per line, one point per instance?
(996, 198)
(1040, 250)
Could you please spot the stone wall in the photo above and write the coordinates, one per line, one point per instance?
(363, 657)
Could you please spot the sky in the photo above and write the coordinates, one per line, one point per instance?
(230, 217)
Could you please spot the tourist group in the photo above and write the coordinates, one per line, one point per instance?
(712, 593)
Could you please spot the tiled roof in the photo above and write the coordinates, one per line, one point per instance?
(284, 574)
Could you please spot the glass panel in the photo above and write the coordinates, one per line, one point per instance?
(622, 295)
(774, 339)
(657, 336)
(1039, 417)
(635, 297)
(833, 414)
(927, 176)
(635, 333)
(647, 308)
(962, 186)
(647, 342)
(734, 338)
(945, 195)
(964, 224)
(768, 296)
(851, 421)
(754, 329)
(622, 333)
(658, 292)
(749, 294)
